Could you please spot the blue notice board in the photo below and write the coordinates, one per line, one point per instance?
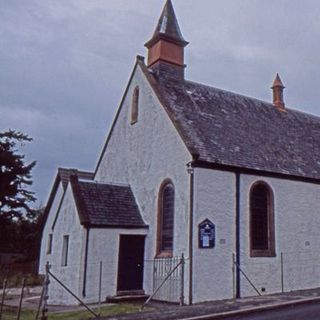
(207, 234)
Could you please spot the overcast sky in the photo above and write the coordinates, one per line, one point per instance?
(64, 64)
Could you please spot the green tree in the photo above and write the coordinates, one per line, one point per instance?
(15, 177)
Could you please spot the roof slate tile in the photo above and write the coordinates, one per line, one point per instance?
(105, 205)
(226, 128)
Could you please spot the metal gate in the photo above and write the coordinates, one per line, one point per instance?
(168, 274)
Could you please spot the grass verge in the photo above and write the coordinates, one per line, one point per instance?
(10, 313)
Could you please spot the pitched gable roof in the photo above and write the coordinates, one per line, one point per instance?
(106, 206)
(63, 176)
(224, 128)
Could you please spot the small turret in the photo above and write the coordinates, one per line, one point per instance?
(277, 88)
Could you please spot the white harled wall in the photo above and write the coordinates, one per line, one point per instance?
(143, 155)
(104, 248)
(71, 275)
(44, 257)
(214, 194)
(297, 236)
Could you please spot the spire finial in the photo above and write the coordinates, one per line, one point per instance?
(277, 82)
(277, 88)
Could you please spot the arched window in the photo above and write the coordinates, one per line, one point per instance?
(262, 238)
(135, 106)
(165, 219)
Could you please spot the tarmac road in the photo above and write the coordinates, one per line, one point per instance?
(297, 312)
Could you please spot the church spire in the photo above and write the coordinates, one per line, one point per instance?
(167, 28)
(167, 43)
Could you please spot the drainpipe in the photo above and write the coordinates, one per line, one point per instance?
(85, 263)
(190, 171)
(238, 291)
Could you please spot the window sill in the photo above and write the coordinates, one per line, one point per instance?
(262, 254)
(164, 254)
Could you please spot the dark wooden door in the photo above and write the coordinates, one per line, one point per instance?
(130, 268)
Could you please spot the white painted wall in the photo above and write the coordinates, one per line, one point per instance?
(214, 194)
(144, 155)
(104, 247)
(297, 221)
(72, 275)
(44, 257)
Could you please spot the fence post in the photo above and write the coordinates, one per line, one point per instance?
(182, 281)
(45, 293)
(100, 285)
(5, 281)
(234, 275)
(21, 298)
(282, 275)
(40, 301)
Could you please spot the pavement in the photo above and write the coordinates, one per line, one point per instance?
(225, 308)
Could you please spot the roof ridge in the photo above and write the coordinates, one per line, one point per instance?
(95, 182)
(291, 109)
(234, 93)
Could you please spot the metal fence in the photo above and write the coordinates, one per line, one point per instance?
(168, 279)
(288, 271)
(12, 298)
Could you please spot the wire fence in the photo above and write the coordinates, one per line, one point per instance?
(96, 281)
(164, 279)
(12, 306)
(289, 271)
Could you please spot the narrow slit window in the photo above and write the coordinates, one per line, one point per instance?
(166, 219)
(49, 247)
(65, 249)
(135, 106)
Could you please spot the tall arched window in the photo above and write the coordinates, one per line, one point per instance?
(262, 238)
(165, 219)
(135, 106)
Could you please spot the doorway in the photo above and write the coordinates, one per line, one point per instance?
(131, 263)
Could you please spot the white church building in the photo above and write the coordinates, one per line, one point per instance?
(228, 181)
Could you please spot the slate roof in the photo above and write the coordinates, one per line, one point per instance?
(105, 205)
(63, 176)
(225, 128)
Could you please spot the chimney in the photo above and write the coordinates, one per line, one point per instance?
(166, 47)
(277, 88)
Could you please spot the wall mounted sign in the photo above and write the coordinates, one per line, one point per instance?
(207, 234)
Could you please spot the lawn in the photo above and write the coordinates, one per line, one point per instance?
(10, 313)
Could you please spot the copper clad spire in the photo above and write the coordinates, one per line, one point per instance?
(277, 88)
